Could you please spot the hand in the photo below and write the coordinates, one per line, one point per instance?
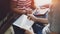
(29, 31)
(32, 17)
(22, 11)
(29, 11)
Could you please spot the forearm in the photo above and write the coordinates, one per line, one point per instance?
(53, 33)
(42, 20)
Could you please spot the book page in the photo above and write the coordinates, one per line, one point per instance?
(23, 22)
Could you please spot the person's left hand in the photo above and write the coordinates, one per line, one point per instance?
(29, 31)
(29, 11)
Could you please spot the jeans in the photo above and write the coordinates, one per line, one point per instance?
(18, 30)
(37, 27)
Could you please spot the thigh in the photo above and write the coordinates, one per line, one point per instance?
(9, 31)
(18, 30)
(38, 28)
(46, 30)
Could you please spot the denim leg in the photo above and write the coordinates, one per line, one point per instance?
(38, 28)
(18, 30)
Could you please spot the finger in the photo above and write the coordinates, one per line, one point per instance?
(28, 17)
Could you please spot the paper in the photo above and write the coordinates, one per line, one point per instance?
(23, 22)
(41, 11)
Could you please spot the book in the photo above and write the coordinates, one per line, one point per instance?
(23, 22)
(41, 11)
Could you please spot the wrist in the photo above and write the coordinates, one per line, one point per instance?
(36, 19)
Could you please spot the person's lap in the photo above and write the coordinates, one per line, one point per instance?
(38, 28)
(18, 30)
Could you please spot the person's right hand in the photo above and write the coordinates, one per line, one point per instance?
(32, 17)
